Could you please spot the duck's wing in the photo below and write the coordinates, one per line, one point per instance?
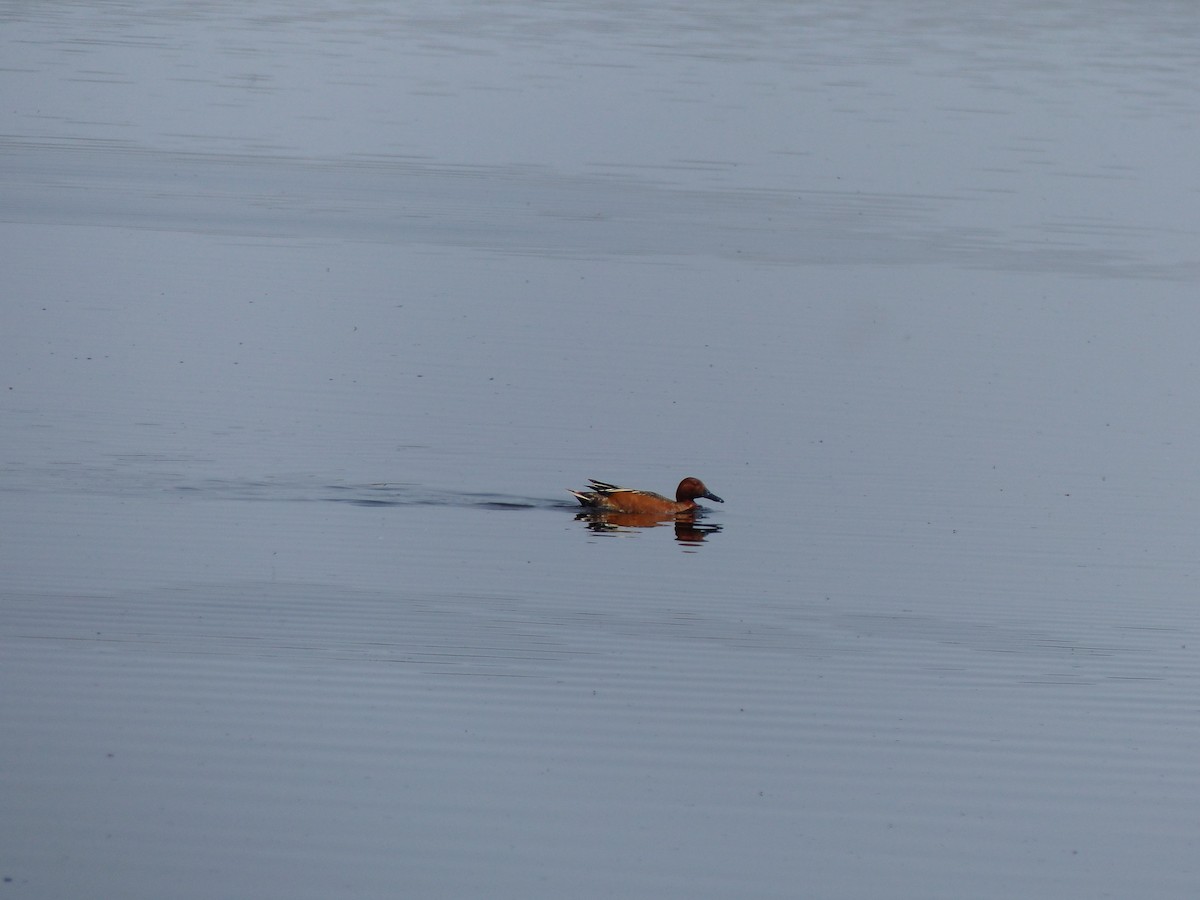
(605, 488)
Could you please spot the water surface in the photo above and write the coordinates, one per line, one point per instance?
(313, 314)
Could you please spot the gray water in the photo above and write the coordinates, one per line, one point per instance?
(312, 312)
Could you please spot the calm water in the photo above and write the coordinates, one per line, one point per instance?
(313, 312)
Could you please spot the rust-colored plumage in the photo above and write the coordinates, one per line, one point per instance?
(605, 497)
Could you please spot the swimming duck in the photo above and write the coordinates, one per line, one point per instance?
(605, 497)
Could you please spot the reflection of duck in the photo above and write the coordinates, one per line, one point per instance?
(604, 497)
(687, 529)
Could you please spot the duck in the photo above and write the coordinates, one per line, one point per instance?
(605, 497)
